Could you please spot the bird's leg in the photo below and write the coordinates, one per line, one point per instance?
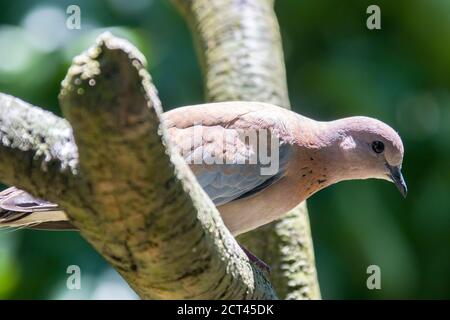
(255, 260)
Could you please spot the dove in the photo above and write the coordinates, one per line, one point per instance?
(256, 161)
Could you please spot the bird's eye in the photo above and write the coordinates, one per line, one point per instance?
(378, 146)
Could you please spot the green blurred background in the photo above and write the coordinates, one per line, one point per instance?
(336, 68)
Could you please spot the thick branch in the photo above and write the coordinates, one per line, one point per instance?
(132, 198)
(37, 148)
(241, 53)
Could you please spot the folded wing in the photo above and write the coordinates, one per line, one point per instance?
(229, 148)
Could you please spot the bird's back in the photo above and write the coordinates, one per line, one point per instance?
(235, 149)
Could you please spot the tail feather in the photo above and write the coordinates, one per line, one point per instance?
(19, 209)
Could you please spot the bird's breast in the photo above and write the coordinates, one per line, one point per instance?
(306, 174)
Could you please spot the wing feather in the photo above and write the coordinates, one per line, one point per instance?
(216, 144)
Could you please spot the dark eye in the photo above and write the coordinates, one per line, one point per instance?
(378, 146)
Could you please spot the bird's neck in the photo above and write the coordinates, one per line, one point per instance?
(320, 160)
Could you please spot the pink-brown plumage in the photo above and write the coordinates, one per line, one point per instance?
(312, 155)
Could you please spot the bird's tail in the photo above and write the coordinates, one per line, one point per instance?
(19, 209)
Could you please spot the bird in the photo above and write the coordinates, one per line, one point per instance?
(256, 161)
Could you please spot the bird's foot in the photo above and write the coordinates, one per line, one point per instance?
(255, 260)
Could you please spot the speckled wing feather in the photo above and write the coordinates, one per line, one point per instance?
(212, 140)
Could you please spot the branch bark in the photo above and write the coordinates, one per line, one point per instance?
(241, 54)
(131, 196)
(37, 149)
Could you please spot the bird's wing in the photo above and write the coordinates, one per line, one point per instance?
(13, 199)
(20, 209)
(217, 144)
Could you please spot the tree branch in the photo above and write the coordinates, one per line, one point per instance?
(240, 50)
(131, 196)
(37, 148)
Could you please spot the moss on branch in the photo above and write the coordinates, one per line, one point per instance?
(37, 148)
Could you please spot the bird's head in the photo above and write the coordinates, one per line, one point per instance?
(372, 149)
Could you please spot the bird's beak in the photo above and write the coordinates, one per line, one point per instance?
(396, 177)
